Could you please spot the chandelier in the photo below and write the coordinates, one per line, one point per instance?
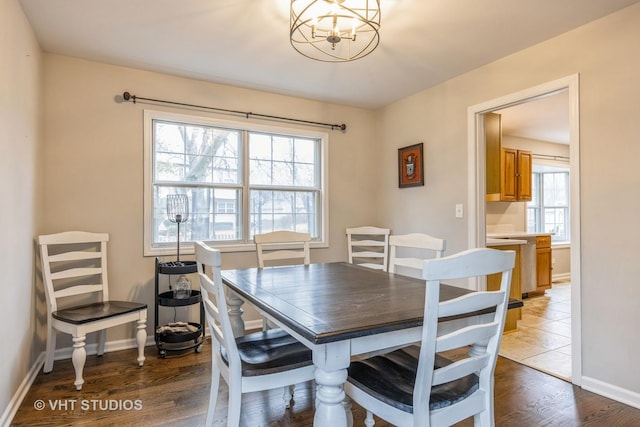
(335, 30)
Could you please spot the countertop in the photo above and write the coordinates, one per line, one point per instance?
(504, 242)
(515, 235)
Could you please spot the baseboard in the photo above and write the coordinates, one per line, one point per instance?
(560, 276)
(18, 396)
(611, 391)
(109, 346)
(252, 325)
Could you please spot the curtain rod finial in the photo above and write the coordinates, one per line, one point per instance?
(127, 97)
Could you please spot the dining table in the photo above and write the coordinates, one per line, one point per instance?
(340, 311)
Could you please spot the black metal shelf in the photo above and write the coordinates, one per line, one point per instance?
(166, 299)
(168, 341)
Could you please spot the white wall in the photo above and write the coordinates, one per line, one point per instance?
(601, 52)
(20, 140)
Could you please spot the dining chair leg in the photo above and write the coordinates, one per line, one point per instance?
(141, 339)
(369, 421)
(346, 404)
(233, 413)
(78, 357)
(102, 336)
(287, 396)
(213, 396)
(485, 418)
(50, 352)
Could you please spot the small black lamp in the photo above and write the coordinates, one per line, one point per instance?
(178, 212)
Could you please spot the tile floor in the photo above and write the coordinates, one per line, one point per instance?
(543, 338)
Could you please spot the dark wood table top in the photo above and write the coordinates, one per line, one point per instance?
(336, 301)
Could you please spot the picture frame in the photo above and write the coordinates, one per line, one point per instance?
(410, 166)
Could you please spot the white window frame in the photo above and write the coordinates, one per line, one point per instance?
(187, 247)
(537, 175)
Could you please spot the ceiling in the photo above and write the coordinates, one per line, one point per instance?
(245, 43)
(545, 118)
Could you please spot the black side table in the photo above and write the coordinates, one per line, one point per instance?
(168, 340)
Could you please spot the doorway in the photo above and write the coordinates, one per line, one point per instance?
(477, 186)
(539, 129)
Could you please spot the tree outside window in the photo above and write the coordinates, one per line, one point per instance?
(239, 181)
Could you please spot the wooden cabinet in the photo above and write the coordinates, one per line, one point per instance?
(493, 284)
(515, 175)
(543, 263)
(508, 171)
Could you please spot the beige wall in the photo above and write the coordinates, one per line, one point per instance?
(20, 141)
(602, 54)
(93, 179)
(94, 160)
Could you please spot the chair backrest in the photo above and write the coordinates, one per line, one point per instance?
(427, 246)
(209, 262)
(483, 337)
(368, 246)
(73, 263)
(280, 246)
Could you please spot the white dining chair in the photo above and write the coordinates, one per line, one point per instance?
(282, 247)
(418, 385)
(254, 362)
(74, 264)
(368, 246)
(421, 244)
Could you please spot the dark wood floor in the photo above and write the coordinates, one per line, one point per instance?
(174, 391)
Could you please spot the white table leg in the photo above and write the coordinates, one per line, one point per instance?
(235, 313)
(332, 361)
(329, 410)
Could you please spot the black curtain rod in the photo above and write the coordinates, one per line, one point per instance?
(133, 98)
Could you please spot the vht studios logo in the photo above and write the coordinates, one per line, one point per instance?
(88, 405)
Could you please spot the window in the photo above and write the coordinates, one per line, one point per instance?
(240, 180)
(548, 211)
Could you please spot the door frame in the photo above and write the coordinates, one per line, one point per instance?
(476, 167)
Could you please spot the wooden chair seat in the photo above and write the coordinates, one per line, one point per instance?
(391, 379)
(270, 351)
(97, 311)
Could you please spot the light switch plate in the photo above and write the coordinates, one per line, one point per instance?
(459, 211)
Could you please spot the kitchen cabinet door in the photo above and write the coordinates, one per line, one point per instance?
(515, 175)
(523, 179)
(543, 263)
(508, 171)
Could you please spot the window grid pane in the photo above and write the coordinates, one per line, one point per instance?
(189, 153)
(283, 161)
(548, 211)
(283, 210)
(205, 163)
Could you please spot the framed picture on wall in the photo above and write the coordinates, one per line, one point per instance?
(410, 166)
